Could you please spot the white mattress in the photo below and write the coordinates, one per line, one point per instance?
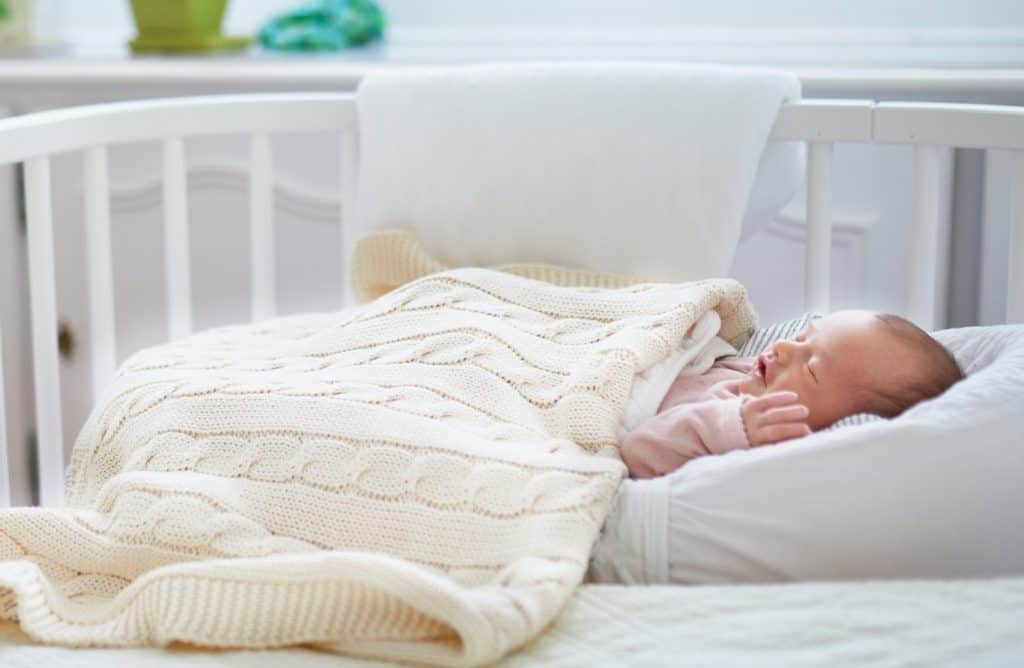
(898, 623)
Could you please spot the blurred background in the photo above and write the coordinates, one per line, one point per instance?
(58, 53)
(978, 33)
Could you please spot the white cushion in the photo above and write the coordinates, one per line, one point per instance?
(936, 492)
(780, 173)
(639, 169)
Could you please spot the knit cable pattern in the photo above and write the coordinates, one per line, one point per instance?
(421, 480)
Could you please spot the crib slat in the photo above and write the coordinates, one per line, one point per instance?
(5, 472)
(179, 298)
(817, 271)
(261, 226)
(348, 204)
(1015, 278)
(924, 237)
(44, 331)
(101, 281)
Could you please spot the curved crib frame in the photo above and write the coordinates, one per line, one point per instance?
(34, 138)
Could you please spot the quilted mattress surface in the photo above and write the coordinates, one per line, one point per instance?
(973, 623)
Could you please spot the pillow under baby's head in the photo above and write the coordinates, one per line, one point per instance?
(853, 362)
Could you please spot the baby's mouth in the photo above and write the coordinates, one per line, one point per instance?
(762, 369)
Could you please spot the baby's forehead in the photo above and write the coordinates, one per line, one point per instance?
(854, 329)
(856, 336)
(871, 353)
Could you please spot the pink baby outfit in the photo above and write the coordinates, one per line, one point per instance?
(700, 415)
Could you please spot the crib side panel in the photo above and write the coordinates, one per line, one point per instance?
(818, 252)
(42, 289)
(819, 124)
(261, 226)
(924, 241)
(1015, 270)
(100, 267)
(177, 263)
(32, 139)
(5, 472)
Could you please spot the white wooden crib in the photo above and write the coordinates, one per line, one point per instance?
(88, 131)
(33, 139)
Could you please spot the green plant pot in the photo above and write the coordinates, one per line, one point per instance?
(181, 25)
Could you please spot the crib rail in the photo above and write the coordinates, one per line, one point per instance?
(5, 483)
(927, 127)
(34, 139)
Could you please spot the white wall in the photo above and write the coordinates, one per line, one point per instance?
(59, 19)
(745, 13)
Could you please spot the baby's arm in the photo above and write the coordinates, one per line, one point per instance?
(668, 440)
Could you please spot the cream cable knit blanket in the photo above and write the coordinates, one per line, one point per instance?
(422, 480)
(382, 260)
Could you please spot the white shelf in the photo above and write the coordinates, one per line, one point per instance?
(969, 61)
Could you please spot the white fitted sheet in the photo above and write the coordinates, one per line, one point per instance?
(898, 623)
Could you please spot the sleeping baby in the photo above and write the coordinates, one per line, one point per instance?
(845, 363)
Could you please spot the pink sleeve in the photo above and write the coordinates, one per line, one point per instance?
(668, 440)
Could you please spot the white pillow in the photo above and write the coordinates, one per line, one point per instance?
(639, 169)
(935, 492)
(780, 172)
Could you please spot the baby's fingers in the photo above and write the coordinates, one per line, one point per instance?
(791, 413)
(772, 400)
(783, 432)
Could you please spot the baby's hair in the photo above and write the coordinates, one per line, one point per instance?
(940, 370)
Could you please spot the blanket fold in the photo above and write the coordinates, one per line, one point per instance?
(420, 479)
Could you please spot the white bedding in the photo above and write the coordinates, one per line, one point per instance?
(933, 493)
(881, 623)
(901, 623)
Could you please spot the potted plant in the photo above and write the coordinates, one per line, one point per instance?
(181, 25)
(15, 22)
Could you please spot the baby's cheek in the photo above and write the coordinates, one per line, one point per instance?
(786, 384)
(812, 408)
(752, 386)
(804, 395)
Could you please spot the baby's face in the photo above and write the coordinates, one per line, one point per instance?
(827, 363)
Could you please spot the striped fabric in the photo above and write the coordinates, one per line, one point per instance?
(762, 338)
(853, 420)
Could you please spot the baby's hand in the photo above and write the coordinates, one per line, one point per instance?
(774, 417)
